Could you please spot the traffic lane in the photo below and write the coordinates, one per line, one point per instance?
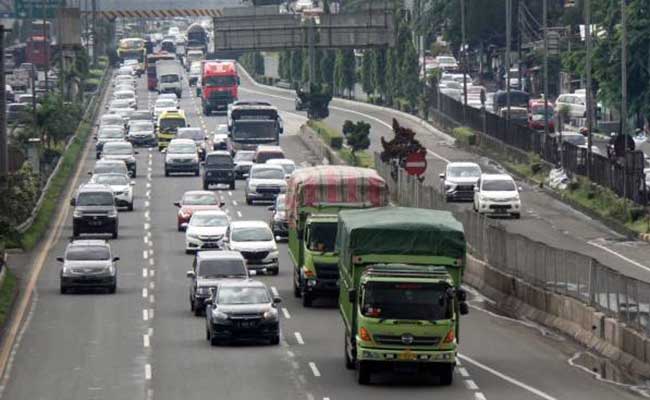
(85, 345)
(184, 364)
(545, 219)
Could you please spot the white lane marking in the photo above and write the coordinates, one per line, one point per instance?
(145, 293)
(150, 330)
(470, 384)
(239, 213)
(507, 378)
(151, 313)
(147, 226)
(152, 285)
(314, 369)
(299, 338)
(152, 299)
(234, 203)
(147, 372)
(274, 290)
(145, 341)
(146, 239)
(326, 398)
(145, 272)
(148, 193)
(479, 396)
(146, 203)
(230, 194)
(148, 185)
(286, 313)
(151, 262)
(152, 273)
(463, 372)
(145, 254)
(145, 315)
(619, 255)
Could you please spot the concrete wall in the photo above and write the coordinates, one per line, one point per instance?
(589, 327)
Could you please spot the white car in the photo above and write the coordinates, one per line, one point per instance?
(575, 103)
(446, 63)
(459, 180)
(126, 70)
(206, 230)
(171, 96)
(126, 95)
(497, 194)
(163, 105)
(289, 166)
(265, 182)
(111, 119)
(121, 104)
(121, 185)
(255, 241)
(124, 80)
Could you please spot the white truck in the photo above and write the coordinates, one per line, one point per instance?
(170, 77)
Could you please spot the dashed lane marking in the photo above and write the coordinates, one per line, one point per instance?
(145, 293)
(239, 214)
(470, 384)
(286, 313)
(145, 254)
(274, 290)
(463, 372)
(479, 396)
(145, 341)
(145, 272)
(145, 315)
(619, 255)
(147, 372)
(314, 369)
(299, 338)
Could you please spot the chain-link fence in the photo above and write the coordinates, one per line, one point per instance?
(557, 270)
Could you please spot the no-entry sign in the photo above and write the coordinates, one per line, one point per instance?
(416, 163)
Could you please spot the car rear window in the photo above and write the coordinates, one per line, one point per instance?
(90, 253)
(263, 157)
(221, 268)
(222, 160)
(95, 199)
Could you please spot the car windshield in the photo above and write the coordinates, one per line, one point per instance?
(222, 268)
(194, 134)
(288, 168)
(213, 220)
(267, 173)
(244, 156)
(195, 69)
(246, 130)
(125, 95)
(252, 234)
(95, 199)
(280, 203)
(110, 133)
(446, 60)
(165, 103)
(172, 123)
(112, 120)
(182, 148)
(578, 140)
(499, 185)
(223, 160)
(322, 237)
(242, 295)
(200, 199)
(87, 253)
(118, 149)
(219, 81)
(464, 172)
(169, 78)
(406, 300)
(146, 126)
(141, 116)
(116, 180)
(110, 168)
(120, 104)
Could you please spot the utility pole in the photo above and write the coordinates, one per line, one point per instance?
(47, 49)
(463, 46)
(589, 97)
(4, 147)
(624, 89)
(311, 34)
(508, 46)
(94, 31)
(545, 24)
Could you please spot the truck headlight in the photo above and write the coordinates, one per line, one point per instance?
(271, 315)
(252, 187)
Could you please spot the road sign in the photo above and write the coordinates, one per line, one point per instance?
(36, 8)
(416, 163)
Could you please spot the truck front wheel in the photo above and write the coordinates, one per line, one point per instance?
(306, 299)
(363, 373)
(447, 375)
(349, 363)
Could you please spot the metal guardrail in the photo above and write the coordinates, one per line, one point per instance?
(89, 112)
(557, 270)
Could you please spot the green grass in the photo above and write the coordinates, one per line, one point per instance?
(464, 135)
(7, 293)
(52, 197)
(332, 137)
(364, 158)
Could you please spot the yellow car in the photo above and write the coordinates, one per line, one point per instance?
(167, 126)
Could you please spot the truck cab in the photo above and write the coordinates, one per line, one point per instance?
(169, 77)
(400, 297)
(219, 85)
(252, 125)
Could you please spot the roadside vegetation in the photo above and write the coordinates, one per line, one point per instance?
(334, 139)
(7, 295)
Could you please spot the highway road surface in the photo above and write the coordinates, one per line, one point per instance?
(144, 343)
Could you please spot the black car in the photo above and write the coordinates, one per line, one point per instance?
(94, 211)
(278, 222)
(210, 268)
(88, 264)
(218, 168)
(242, 310)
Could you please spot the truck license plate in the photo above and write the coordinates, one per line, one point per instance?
(407, 356)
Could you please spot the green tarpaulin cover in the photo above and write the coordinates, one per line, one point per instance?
(399, 230)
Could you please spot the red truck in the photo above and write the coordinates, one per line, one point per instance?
(219, 85)
(38, 51)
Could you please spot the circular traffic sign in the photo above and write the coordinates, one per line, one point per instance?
(416, 163)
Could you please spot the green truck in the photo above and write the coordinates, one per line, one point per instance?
(400, 296)
(314, 197)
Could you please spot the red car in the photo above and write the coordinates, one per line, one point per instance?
(536, 115)
(195, 200)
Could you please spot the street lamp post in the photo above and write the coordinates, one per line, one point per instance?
(624, 90)
(589, 97)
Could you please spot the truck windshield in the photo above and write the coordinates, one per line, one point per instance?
(322, 237)
(252, 130)
(169, 78)
(406, 300)
(171, 124)
(219, 81)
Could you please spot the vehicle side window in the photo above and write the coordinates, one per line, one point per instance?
(194, 265)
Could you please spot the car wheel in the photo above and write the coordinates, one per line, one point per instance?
(206, 185)
(192, 306)
(179, 228)
(296, 287)
(130, 208)
(275, 340)
(135, 174)
(197, 311)
(197, 172)
(188, 251)
(363, 373)
(306, 299)
(232, 185)
(249, 201)
(75, 233)
(516, 216)
(113, 288)
(166, 173)
(115, 233)
(275, 271)
(207, 332)
(64, 289)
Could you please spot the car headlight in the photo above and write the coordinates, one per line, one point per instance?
(219, 316)
(514, 198)
(184, 214)
(77, 214)
(118, 193)
(252, 187)
(110, 269)
(66, 270)
(192, 236)
(112, 213)
(271, 315)
(274, 254)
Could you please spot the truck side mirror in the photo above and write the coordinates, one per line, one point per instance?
(238, 81)
(352, 295)
(73, 202)
(198, 92)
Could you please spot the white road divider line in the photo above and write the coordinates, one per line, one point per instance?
(286, 313)
(145, 272)
(230, 194)
(145, 254)
(619, 255)
(239, 214)
(507, 378)
(274, 290)
(470, 384)
(152, 273)
(147, 372)
(152, 285)
(145, 315)
(479, 396)
(463, 372)
(145, 293)
(151, 262)
(146, 239)
(151, 313)
(145, 341)
(314, 369)
(299, 338)
(152, 299)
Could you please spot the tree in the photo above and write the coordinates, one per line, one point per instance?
(327, 66)
(284, 65)
(367, 81)
(296, 65)
(358, 137)
(391, 76)
(409, 77)
(379, 71)
(349, 70)
(338, 72)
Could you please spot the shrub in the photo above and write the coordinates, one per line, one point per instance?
(95, 73)
(331, 137)
(90, 85)
(464, 135)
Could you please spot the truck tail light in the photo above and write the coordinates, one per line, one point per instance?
(451, 336)
(308, 273)
(365, 335)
